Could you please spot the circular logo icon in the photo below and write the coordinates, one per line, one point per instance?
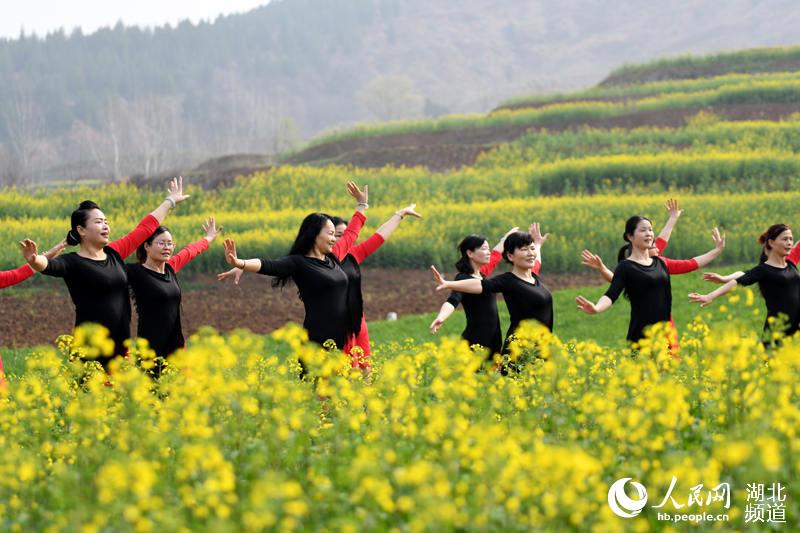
(621, 504)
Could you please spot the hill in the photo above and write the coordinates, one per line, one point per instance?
(125, 101)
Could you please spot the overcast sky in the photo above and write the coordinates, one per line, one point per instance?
(42, 16)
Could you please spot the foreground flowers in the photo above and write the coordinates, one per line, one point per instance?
(229, 439)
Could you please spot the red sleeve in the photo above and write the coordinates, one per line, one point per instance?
(350, 235)
(537, 267)
(794, 255)
(489, 267)
(128, 244)
(367, 248)
(189, 252)
(680, 266)
(661, 244)
(12, 277)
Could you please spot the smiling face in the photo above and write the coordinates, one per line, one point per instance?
(161, 249)
(782, 244)
(481, 254)
(523, 257)
(95, 230)
(326, 238)
(643, 237)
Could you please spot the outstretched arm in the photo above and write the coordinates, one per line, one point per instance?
(126, 245)
(594, 261)
(174, 197)
(247, 265)
(471, 286)
(36, 261)
(718, 278)
(350, 235)
(388, 227)
(444, 313)
(190, 251)
(365, 249)
(719, 245)
(705, 299)
(675, 213)
(592, 309)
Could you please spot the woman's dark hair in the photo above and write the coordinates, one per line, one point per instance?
(141, 253)
(79, 218)
(470, 243)
(337, 220)
(630, 229)
(518, 239)
(771, 234)
(309, 229)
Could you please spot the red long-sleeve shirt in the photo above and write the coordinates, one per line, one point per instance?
(350, 235)
(128, 244)
(189, 252)
(12, 277)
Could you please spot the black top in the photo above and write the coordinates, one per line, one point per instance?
(158, 304)
(323, 288)
(99, 290)
(483, 323)
(524, 300)
(649, 290)
(355, 300)
(781, 290)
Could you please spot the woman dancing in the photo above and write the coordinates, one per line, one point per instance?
(525, 295)
(95, 274)
(155, 289)
(483, 322)
(645, 279)
(777, 278)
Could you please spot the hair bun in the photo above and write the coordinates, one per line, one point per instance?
(72, 239)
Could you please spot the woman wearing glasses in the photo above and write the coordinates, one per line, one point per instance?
(154, 286)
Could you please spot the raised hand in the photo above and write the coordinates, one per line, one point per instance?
(536, 234)
(441, 284)
(702, 299)
(719, 240)
(672, 208)
(29, 250)
(230, 252)
(586, 306)
(54, 252)
(361, 197)
(409, 210)
(591, 260)
(211, 229)
(714, 277)
(509, 232)
(236, 273)
(176, 190)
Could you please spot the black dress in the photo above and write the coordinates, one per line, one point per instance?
(650, 293)
(323, 287)
(781, 290)
(157, 298)
(483, 322)
(525, 300)
(99, 290)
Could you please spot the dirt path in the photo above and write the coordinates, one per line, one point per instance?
(39, 315)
